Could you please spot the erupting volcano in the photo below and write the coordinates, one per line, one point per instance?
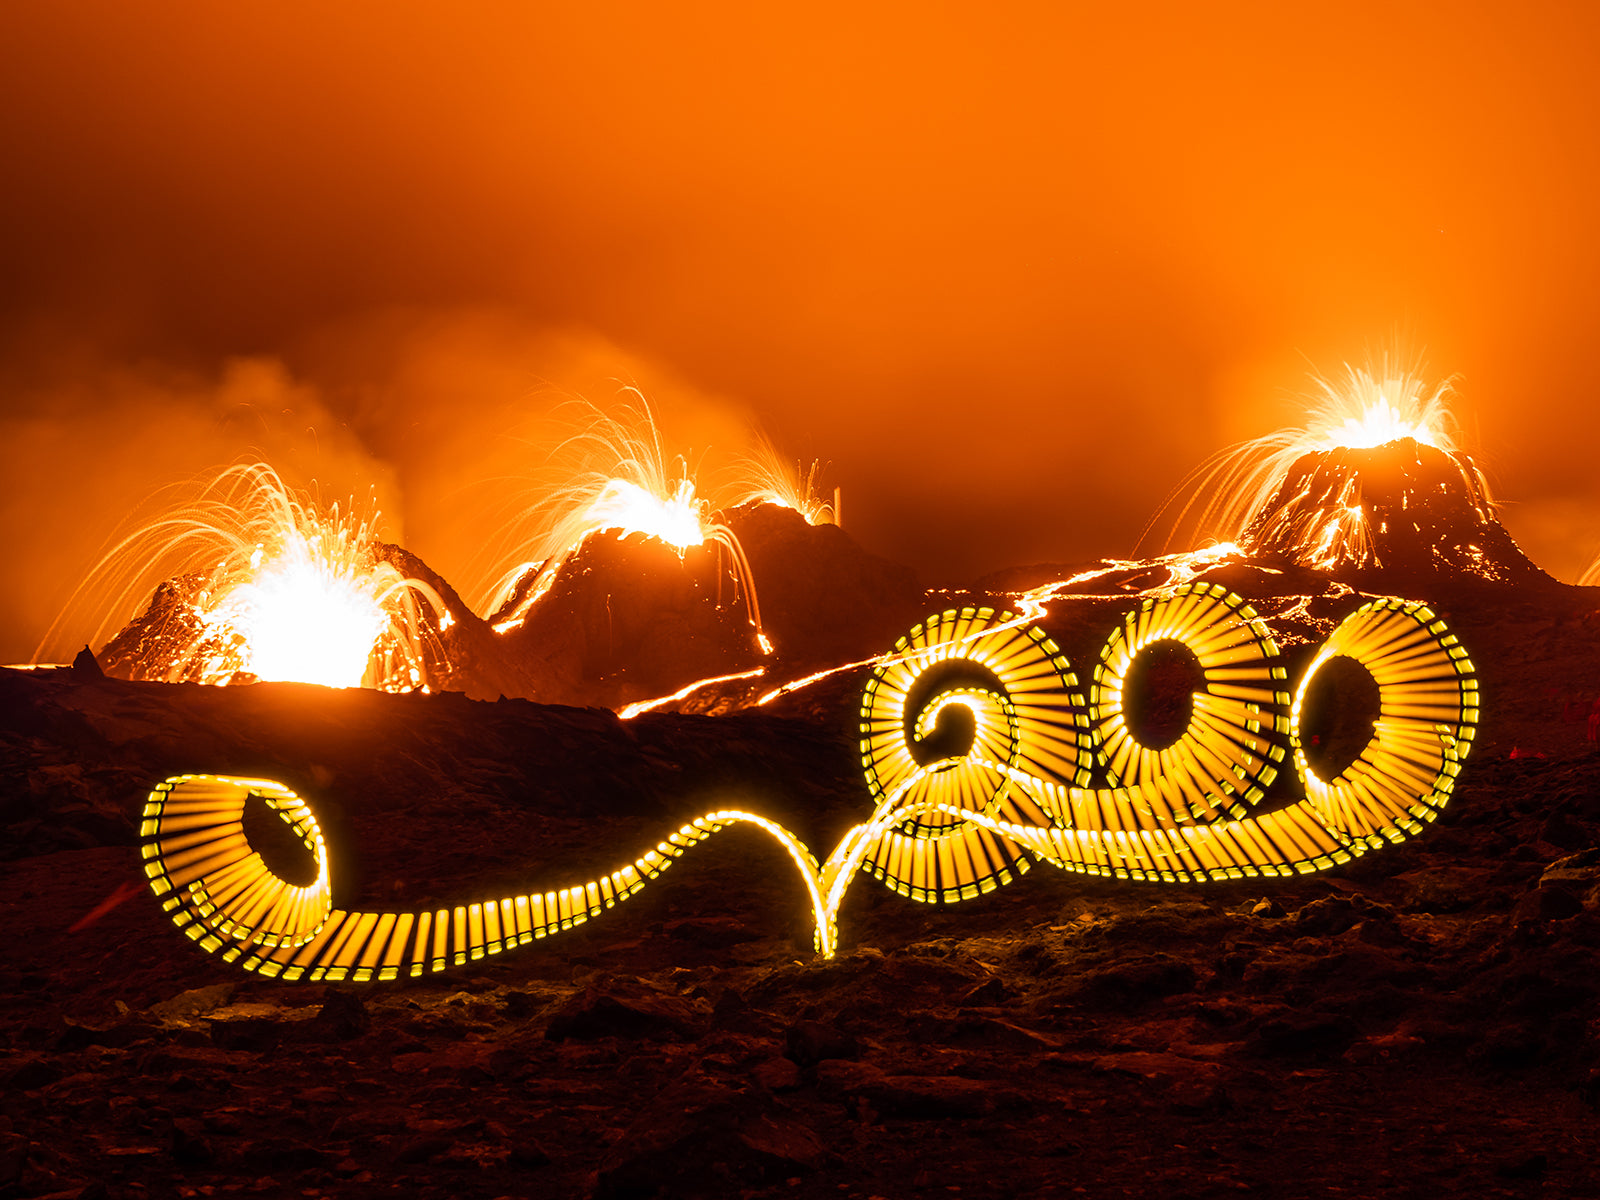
(259, 583)
(1374, 481)
(631, 584)
(617, 481)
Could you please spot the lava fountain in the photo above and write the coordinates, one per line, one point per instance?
(617, 480)
(1375, 479)
(765, 476)
(1591, 576)
(259, 583)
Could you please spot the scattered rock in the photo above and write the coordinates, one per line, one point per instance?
(807, 1043)
(1530, 1166)
(915, 1097)
(594, 1013)
(776, 1074)
(189, 1144)
(1135, 981)
(699, 1138)
(1545, 903)
(425, 1149)
(1577, 871)
(14, 1151)
(195, 1002)
(342, 1017)
(32, 1073)
(1295, 1034)
(1332, 915)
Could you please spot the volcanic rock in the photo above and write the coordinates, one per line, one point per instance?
(1426, 515)
(461, 652)
(824, 600)
(144, 647)
(86, 667)
(1059, 1033)
(629, 618)
(699, 1138)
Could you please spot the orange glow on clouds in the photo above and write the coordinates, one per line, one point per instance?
(1009, 273)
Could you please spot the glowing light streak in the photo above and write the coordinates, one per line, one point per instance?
(220, 893)
(1429, 710)
(941, 820)
(1225, 755)
(1027, 713)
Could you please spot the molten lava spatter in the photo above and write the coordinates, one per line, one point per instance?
(615, 478)
(1591, 577)
(1374, 480)
(261, 583)
(766, 477)
(1399, 505)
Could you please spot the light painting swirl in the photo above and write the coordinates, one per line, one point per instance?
(220, 892)
(976, 749)
(1225, 758)
(1021, 709)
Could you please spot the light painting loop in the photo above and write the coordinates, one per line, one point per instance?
(950, 821)
(1428, 710)
(218, 890)
(1027, 720)
(212, 881)
(1227, 756)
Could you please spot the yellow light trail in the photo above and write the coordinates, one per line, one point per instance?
(945, 826)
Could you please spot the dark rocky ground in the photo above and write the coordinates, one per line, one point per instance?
(1424, 1022)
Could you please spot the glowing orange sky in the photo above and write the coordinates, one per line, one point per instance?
(1012, 274)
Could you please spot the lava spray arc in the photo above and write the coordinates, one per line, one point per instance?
(764, 476)
(1311, 494)
(254, 581)
(616, 476)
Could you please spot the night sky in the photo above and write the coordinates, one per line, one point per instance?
(1011, 274)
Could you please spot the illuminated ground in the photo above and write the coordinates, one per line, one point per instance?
(1420, 1022)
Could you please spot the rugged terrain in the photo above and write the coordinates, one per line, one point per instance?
(1423, 1022)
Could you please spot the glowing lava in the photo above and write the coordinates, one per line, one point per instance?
(1367, 411)
(616, 480)
(677, 519)
(260, 584)
(1374, 463)
(766, 477)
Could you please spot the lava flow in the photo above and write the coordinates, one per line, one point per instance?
(259, 583)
